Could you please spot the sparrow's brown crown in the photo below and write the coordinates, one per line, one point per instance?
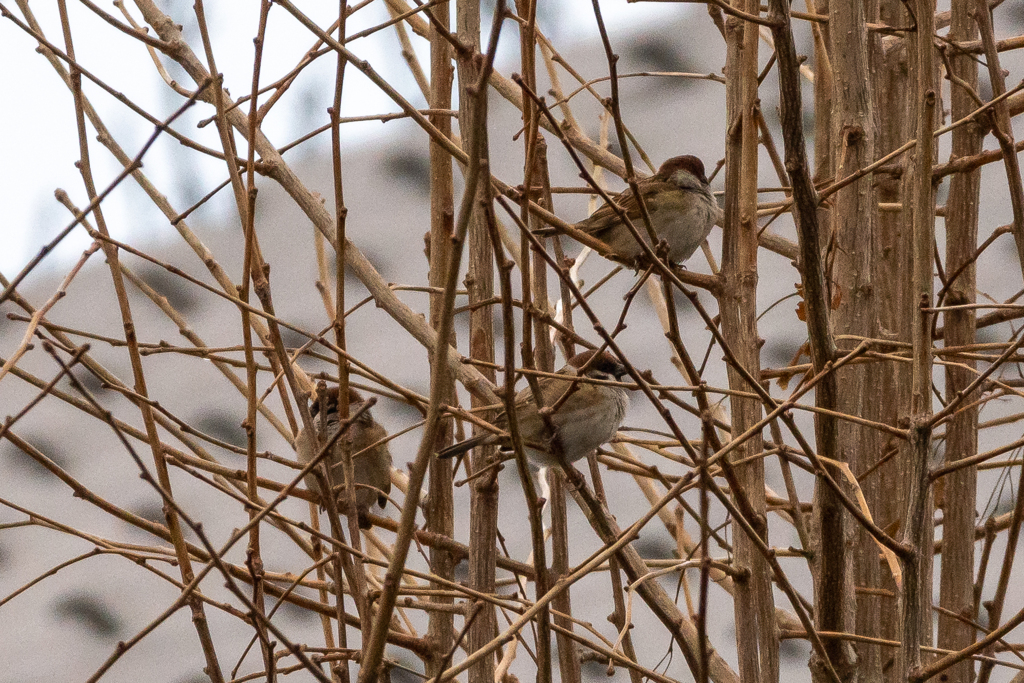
(329, 400)
(688, 163)
(605, 363)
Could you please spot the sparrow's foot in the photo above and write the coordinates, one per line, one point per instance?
(662, 249)
(363, 519)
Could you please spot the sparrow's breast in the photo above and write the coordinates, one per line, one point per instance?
(686, 222)
(594, 422)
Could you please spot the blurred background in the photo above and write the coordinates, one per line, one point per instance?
(70, 623)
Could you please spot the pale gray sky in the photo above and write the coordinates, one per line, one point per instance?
(38, 136)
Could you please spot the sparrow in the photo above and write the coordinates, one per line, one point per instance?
(680, 204)
(372, 465)
(588, 418)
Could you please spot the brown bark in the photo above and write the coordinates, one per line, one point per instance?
(916, 594)
(852, 256)
(956, 584)
(895, 121)
(440, 512)
(756, 640)
(483, 496)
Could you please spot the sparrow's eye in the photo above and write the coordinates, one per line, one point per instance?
(330, 408)
(609, 368)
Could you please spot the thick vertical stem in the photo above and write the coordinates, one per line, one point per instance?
(915, 598)
(440, 512)
(860, 260)
(483, 496)
(852, 222)
(756, 640)
(956, 585)
(893, 67)
(253, 555)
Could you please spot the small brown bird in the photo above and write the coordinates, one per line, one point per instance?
(587, 419)
(680, 204)
(372, 465)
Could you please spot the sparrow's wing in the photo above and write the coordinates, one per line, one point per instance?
(531, 425)
(463, 446)
(607, 217)
(604, 217)
(380, 461)
(579, 407)
(530, 422)
(373, 465)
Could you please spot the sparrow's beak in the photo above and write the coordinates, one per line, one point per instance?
(623, 376)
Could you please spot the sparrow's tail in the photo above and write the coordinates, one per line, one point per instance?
(463, 446)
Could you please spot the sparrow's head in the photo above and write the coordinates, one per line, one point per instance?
(328, 401)
(604, 367)
(683, 170)
(325, 401)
